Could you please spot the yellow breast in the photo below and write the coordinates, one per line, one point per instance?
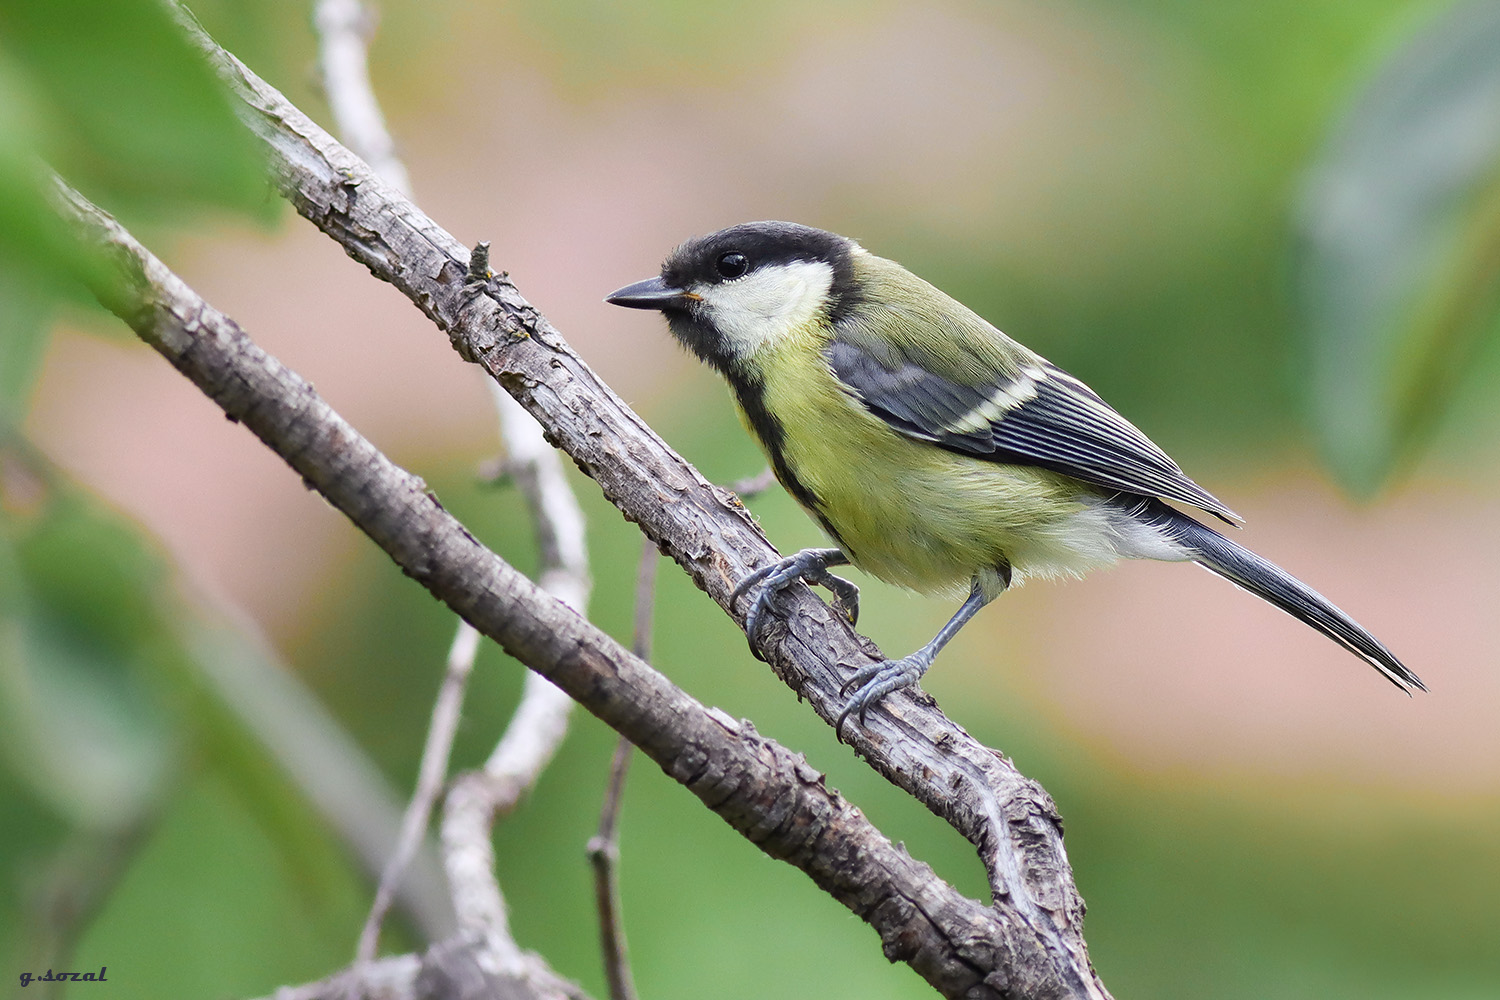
(906, 511)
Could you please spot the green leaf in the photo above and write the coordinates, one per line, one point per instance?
(105, 689)
(24, 317)
(1399, 263)
(40, 256)
(117, 101)
(84, 720)
(135, 114)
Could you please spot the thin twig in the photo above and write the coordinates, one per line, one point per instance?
(540, 721)
(604, 857)
(604, 846)
(430, 778)
(344, 29)
(645, 600)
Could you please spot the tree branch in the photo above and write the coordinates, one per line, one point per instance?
(1029, 943)
(540, 722)
(1009, 818)
(431, 774)
(761, 789)
(604, 847)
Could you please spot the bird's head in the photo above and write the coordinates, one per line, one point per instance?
(730, 293)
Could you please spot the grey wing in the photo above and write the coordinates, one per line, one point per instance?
(1039, 416)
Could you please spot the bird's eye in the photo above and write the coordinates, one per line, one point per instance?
(732, 264)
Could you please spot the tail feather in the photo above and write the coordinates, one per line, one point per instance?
(1275, 585)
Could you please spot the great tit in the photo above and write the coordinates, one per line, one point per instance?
(933, 449)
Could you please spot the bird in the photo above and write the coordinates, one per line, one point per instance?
(935, 451)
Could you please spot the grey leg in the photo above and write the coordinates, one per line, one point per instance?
(874, 682)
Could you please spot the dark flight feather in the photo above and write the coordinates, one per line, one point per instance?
(1040, 416)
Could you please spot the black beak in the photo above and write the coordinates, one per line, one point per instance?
(653, 293)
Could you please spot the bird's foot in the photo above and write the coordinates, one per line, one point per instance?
(873, 682)
(845, 594)
(809, 565)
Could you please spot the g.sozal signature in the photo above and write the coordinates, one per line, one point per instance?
(65, 977)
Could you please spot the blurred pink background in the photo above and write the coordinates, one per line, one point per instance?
(1030, 131)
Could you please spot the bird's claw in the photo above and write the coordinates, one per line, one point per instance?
(876, 680)
(809, 565)
(845, 594)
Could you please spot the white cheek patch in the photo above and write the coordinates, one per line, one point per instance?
(767, 304)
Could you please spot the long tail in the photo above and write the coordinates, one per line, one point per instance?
(1270, 582)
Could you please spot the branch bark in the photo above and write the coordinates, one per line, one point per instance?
(760, 788)
(1027, 943)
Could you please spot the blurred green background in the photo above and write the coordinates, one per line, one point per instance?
(1267, 232)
